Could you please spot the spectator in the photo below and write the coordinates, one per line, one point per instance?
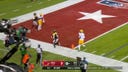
(78, 61)
(6, 42)
(11, 39)
(30, 67)
(39, 55)
(84, 65)
(23, 51)
(23, 35)
(18, 35)
(25, 61)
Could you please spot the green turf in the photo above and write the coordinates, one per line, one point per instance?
(13, 8)
(105, 44)
(110, 42)
(46, 56)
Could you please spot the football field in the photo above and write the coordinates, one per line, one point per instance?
(105, 27)
(113, 45)
(70, 20)
(46, 56)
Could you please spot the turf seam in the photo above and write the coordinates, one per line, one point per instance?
(116, 49)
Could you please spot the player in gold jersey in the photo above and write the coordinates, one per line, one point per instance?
(55, 38)
(81, 38)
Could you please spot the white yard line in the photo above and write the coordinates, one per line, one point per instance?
(28, 6)
(85, 49)
(16, 10)
(102, 54)
(4, 50)
(95, 59)
(112, 56)
(3, 14)
(93, 52)
(40, 3)
(124, 58)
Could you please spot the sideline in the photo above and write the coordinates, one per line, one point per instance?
(95, 59)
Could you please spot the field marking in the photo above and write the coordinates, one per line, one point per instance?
(112, 56)
(95, 59)
(85, 49)
(40, 3)
(102, 54)
(92, 58)
(16, 10)
(116, 49)
(29, 6)
(3, 50)
(113, 6)
(124, 58)
(2, 14)
(106, 32)
(46, 10)
(93, 52)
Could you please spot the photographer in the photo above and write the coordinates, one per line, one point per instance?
(83, 65)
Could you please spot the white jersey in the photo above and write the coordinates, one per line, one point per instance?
(81, 35)
(39, 50)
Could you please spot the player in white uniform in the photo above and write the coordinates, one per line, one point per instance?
(81, 38)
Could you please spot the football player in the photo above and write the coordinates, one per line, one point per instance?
(81, 38)
(55, 38)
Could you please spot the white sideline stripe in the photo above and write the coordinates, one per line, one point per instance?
(124, 58)
(94, 52)
(47, 10)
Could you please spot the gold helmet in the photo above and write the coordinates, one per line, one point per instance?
(41, 14)
(54, 31)
(81, 30)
